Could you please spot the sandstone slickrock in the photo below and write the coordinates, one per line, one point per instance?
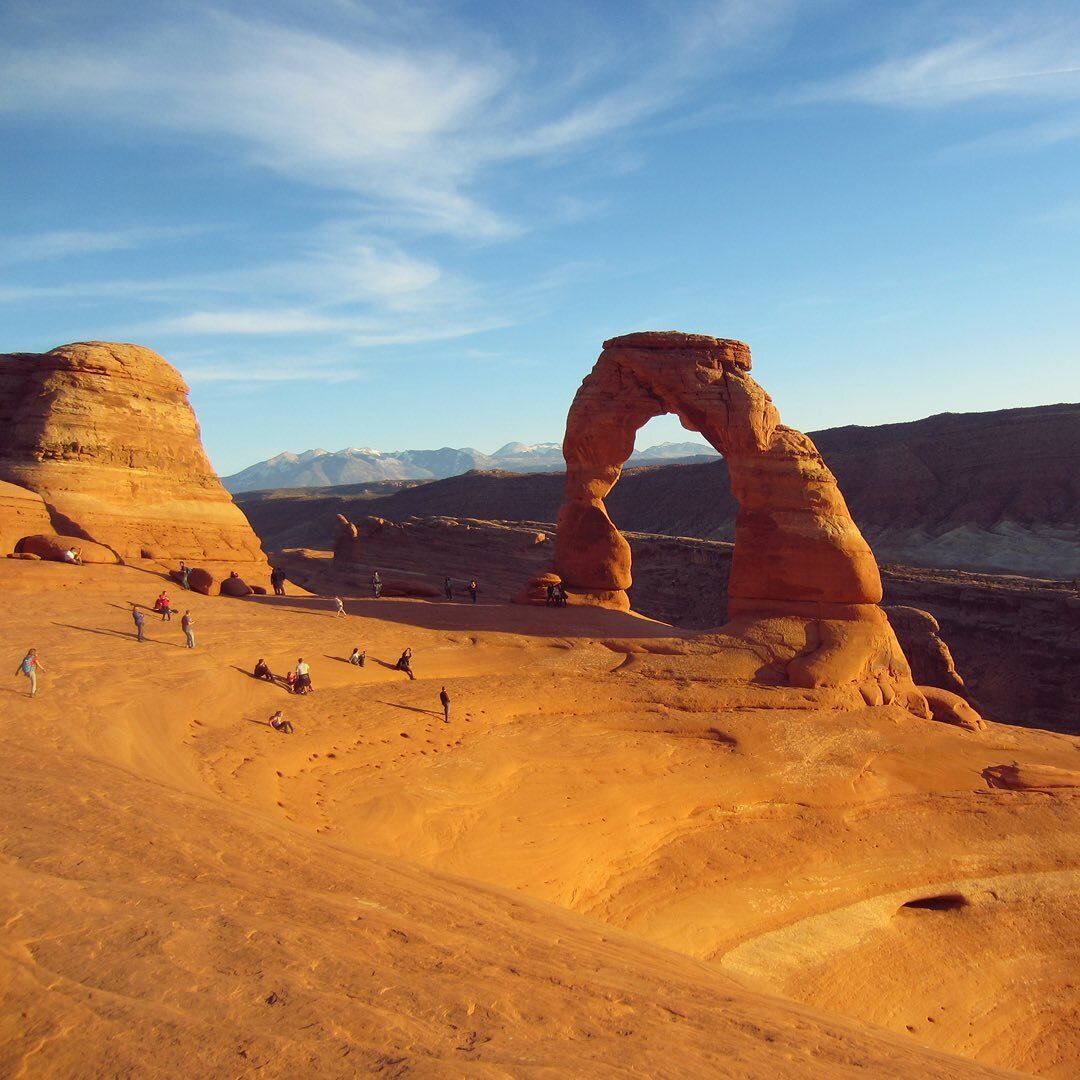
(22, 513)
(949, 708)
(797, 554)
(105, 435)
(54, 547)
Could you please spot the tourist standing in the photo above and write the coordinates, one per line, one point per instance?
(448, 588)
(376, 583)
(303, 677)
(339, 607)
(473, 589)
(444, 698)
(185, 570)
(185, 625)
(137, 618)
(30, 666)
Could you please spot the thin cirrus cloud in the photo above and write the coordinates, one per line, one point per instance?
(410, 126)
(361, 331)
(1017, 61)
(69, 244)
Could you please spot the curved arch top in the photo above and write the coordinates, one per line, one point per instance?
(797, 550)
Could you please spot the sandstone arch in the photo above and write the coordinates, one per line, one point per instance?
(798, 555)
(797, 550)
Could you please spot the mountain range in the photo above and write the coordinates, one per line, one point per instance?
(996, 491)
(321, 468)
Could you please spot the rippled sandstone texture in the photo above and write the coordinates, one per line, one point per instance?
(104, 434)
(798, 555)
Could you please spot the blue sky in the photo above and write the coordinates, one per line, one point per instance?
(410, 225)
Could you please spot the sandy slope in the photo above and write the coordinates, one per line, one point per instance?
(591, 871)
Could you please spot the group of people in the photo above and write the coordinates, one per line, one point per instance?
(277, 581)
(556, 595)
(296, 681)
(162, 605)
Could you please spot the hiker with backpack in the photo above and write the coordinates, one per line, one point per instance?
(30, 666)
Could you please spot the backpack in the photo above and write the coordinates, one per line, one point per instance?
(27, 665)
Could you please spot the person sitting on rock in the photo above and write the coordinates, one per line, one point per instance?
(358, 657)
(278, 722)
(262, 671)
(405, 663)
(72, 556)
(290, 683)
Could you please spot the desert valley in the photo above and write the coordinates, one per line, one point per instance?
(747, 805)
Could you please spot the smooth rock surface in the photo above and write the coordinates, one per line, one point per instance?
(22, 513)
(54, 548)
(798, 554)
(105, 435)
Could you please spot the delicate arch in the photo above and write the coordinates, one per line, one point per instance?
(797, 551)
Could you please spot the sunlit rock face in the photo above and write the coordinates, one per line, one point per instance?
(798, 554)
(104, 434)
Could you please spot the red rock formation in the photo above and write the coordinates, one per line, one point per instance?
(235, 586)
(920, 636)
(105, 435)
(201, 581)
(949, 708)
(22, 513)
(797, 552)
(54, 548)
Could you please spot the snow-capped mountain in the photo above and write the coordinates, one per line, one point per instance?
(363, 465)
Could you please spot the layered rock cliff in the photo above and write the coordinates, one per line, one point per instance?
(104, 434)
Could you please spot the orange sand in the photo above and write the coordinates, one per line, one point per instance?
(593, 870)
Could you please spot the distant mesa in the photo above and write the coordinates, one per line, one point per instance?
(102, 444)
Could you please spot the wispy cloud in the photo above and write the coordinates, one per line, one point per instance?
(1023, 59)
(288, 371)
(410, 121)
(60, 244)
(357, 330)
